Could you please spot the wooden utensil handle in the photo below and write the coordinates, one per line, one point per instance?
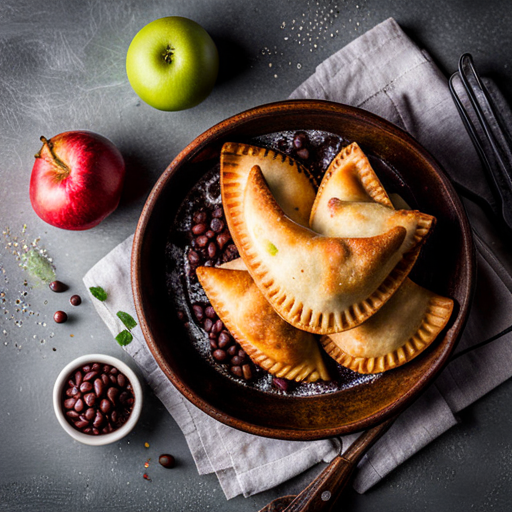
(323, 492)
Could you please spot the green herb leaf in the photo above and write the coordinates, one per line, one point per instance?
(127, 319)
(124, 338)
(98, 292)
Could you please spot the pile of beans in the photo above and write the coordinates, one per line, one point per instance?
(224, 347)
(98, 399)
(210, 240)
(315, 156)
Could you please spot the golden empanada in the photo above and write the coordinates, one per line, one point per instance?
(319, 284)
(414, 316)
(267, 339)
(289, 181)
(350, 177)
(405, 326)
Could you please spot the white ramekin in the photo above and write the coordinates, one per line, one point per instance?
(101, 439)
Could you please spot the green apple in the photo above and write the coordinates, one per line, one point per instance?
(172, 63)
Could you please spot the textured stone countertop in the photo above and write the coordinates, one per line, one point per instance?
(62, 68)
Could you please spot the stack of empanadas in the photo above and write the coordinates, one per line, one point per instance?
(324, 267)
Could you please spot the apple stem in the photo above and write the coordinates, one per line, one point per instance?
(168, 53)
(56, 160)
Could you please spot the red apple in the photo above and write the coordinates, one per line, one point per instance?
(76, 180)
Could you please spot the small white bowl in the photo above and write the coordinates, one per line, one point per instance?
(101, 439)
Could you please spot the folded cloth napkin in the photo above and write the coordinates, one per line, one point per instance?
(384, 72)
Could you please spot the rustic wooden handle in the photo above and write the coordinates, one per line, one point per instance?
(323, 492)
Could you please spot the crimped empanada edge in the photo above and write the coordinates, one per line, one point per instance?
(437, 315)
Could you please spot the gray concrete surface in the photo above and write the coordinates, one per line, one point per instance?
(62, 68)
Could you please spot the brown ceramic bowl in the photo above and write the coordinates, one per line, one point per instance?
(445, 266)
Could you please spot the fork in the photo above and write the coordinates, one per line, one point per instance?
(489, 134)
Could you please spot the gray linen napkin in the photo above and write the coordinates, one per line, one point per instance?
(382, 71)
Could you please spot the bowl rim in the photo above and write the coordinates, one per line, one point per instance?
(217, 131)
(101, 439)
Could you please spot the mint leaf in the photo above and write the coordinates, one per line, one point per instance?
(98, 292)
(124, 338)
(127, 319)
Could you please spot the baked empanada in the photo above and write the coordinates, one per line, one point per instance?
(350, 177)
(319, 284)
(267, 339)
(413, 316)
(289, 181)
(405, 326)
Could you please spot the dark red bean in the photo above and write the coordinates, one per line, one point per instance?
(212, 250)
(57, 287)
(167, 461)
(223, 239)
(96, 367)
(202, 241)
(113, 379)
(213, 344)
(105, 406)
(89, 399)
(85, 387)
(232, 350)
(99, 387)
(72, 414)
(78, 378)
(114, 371)
(60, 317)
(220, 355)
(71, 383)
(236, 361)
(95, 431)
(208, 324)
(199, 217)
(237, 370)
(224, 340)
(231, 250)
(72, 391)
(75, 300)
(198, 312)
(107, 368)
(89, 414)
(70, 403)
(86, 368)
(105, 379)
(112, 394)
(218, 213)
(194, 258)
(90, 375)
(217, 225)
(213, 335)
(210, 233)
(98, 420)
(80, 424)
(79, 405)
(199, 229)
(217, 326)
(121, 380)
(210, 312)
(281, 384)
